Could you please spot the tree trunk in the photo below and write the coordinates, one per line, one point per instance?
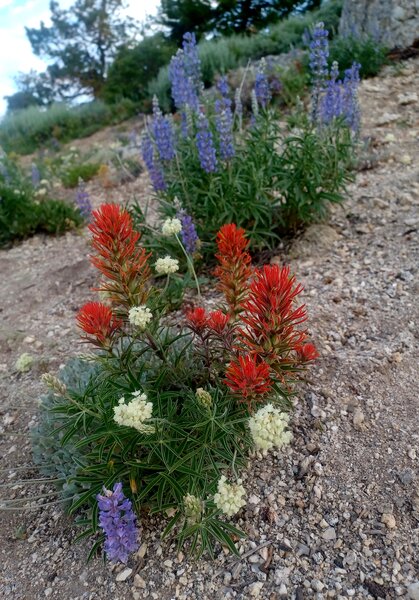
(392, 22)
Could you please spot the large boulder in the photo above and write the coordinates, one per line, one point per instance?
(392, 22)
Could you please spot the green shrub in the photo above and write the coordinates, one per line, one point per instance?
(221, 55)
(22, 216)
(55, 460)
(85, 171)
(174, 409)
(366, 51)
(24, 131)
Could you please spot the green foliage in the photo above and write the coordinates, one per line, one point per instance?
(366, 51)
(81, 41)
(133, 68)
(73, 174)
(21, 215)
(226, 17)
(54, 459)
(183, 16)
(26, 130)
(226, 53)
(23, 212)
(277, 181)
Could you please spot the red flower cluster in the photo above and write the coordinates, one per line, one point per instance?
(306, 352)
(99, 323)
(270, 317)
(234, 267)
(119, 258)
(249, 378)
(197, 319)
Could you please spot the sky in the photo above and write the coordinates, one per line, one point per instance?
(15, 50)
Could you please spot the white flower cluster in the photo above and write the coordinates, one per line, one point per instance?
(140, 316)
(134, 413)
(230, 497)
(267, 427)
(171, 227)
(167, 265)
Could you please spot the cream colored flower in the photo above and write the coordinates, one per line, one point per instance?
(167, 265)
(140, 316)
(54, 384)
(204, 398)
(230, 497)
(171, 227)
(193, 508)
(267, 427)
(134, 413)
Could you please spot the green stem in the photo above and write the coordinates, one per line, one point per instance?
(191, 267)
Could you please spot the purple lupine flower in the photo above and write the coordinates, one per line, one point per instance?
(162, 133)
(223, 87)
(82, 201)
(331, 106)
(350, 105)
(205, 145)
(224, 126)
(118, 521)
(262, 89)
(35, 175)
(154, 167)
(188, 233)
(191, 61)
(184, 89)
(319, 53)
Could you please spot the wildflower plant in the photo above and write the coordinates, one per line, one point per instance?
(224, 169)
(168, 420)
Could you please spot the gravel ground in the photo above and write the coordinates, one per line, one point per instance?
(336, 515)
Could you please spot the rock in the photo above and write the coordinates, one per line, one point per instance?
(254, 499)
(387, 118)
(283, 592)
(255, 589)
(388, 520)
(329, 534)
(358, 418)
(405, 159)
(413, 590)
(123, 575)
(317, 239)
(139, 582)
(406, 477)
(409, 98)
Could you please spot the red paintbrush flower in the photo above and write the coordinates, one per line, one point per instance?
(269, 315)
(119, 258)
(97, 320)
(197, 319)
(306, 352)
(218, 321)
(234, 268)
(249, 378)
(113, 233)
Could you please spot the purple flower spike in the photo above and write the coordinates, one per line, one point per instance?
(163, 133)
(350, 105)
(205, 145)
(319, 53)
(224, 125)
(82, 201)
(262, 89)
(153, 166)
(118, 521)
(35, 175)
(188, 234)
